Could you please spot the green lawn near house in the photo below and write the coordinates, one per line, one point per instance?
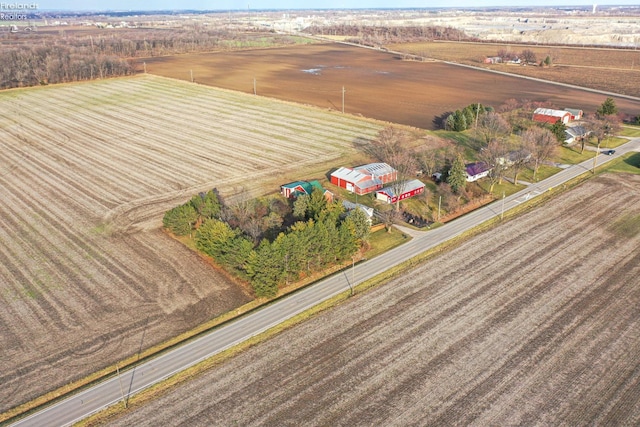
(571, 155)
(630, 131)
(544, 172)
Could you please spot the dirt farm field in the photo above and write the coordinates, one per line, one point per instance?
(87, 170)
(613, 70)
(533, 323)
(377, 84)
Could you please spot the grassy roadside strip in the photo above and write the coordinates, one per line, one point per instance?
(165, 386)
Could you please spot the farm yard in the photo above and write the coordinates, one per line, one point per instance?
(377, 84)
(534, 322)
(87, 277)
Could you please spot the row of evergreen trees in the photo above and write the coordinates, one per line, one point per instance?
(183, 219)
(322, 235)
(461, 120)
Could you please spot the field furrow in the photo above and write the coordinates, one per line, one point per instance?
(86, 174)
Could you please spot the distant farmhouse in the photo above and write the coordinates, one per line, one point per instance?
(409, 189)
(364, 179)
(294, 189)
(493, 60)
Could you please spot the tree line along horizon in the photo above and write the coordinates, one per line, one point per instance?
(271, 241)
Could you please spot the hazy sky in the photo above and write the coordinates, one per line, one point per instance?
(293, 4)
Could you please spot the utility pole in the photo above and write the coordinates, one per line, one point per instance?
(254, 86)
(144, 64)
(124, 401)
(439, 201)
(343, 99)
(353, 272)
(475, 128)
(191, 75)
(502, 214)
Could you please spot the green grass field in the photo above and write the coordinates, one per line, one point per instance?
(629, 163)
(630, 131)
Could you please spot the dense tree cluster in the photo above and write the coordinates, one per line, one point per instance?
(371, 35)
(37, 59)
(527, 56)
(183, 219)
(251, 238)
(41, 65)
(558, 130)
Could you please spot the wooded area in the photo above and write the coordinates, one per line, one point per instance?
(32, 59)
(375, 35)
(266, 241)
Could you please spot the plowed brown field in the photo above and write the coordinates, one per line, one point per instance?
(377, 84)
(533, 323)
(613, 70)
(86, 173)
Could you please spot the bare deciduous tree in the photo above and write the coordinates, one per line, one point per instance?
(529, 56)
(601, 127)
(518, 159)
(542, 144)
(429, 161)
(391, 146)
(494, 155)
(389, 217)
(492, 125)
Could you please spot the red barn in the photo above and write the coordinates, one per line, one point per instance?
(548, 115)
(409, 189)
(364, 179)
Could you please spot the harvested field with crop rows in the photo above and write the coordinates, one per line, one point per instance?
(532, 323)
(86, 173)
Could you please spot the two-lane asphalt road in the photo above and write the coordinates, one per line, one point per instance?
(127, 383)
